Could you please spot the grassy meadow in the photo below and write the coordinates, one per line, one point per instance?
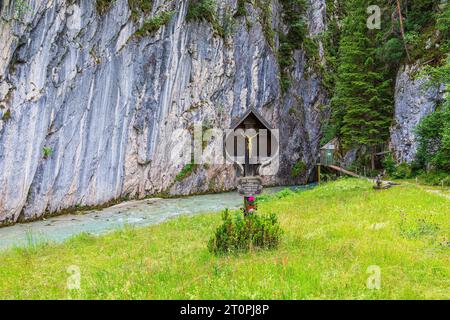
(333, 234)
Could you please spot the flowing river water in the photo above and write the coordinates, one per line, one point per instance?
(133, 213)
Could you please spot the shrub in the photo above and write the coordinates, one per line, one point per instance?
(204, 10)
(434, 136)
(47, 151)
(6, 115)
(293, 11)
(402, 171)
(153, 24)
(299, 168)
(392, 51)
(435, 178)
(201, 9)
(389, 165)
(103, 5)
(240, 233)
(138, 7)
(185, 172)
(241, 10)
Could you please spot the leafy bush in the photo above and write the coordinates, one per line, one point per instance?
(434, 137)
(240, 233)
(153, 24)
(299, 168)
(139, 7)
(293, 11)
(185, 172)
(241, 10)
(402, 171)
(7, 115)
(204, 10)
(201, 9)
(103, 5)
(389, 165)
(392, 51)
(435, 178)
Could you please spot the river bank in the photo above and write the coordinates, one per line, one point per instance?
(137, 213)
(337, 237)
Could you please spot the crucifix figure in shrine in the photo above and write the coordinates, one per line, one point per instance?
(250, 141)
(251, 153)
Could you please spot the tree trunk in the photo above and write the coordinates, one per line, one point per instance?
(402, 29)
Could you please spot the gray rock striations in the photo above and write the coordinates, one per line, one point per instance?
(413, 101)
(90, 111)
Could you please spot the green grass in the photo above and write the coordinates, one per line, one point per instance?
(333, 233)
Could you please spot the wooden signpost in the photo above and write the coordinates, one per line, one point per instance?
(249, 186)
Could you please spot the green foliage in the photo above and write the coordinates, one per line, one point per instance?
(229, 24)
(434, 130)
(402, 171)
(331, 38)
(103, 5)
(389, 165)
(185, 172)
(241, 233)
(298, 169)
(329, 131)
(153, 24)
(397, 171)
(199, 10)
(421, 19)
(241, 11)
(443, 25)
(47, 151)
(265, 20)
(418, 14)
(362, 103)
(293, 11)
(325, 230)
(7, 115)
(140, 7)
(367, 63)
(434, 139)
(392, 51)
(21, 7)
(435, 178)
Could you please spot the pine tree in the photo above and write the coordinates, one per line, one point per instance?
(362, 102)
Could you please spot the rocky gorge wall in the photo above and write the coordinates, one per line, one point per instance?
(413, 101)
(89, 111)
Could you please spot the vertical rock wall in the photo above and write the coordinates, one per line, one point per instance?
(90, 113)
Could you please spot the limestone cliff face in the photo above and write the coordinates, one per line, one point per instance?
(413, 101)
(89, 112)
